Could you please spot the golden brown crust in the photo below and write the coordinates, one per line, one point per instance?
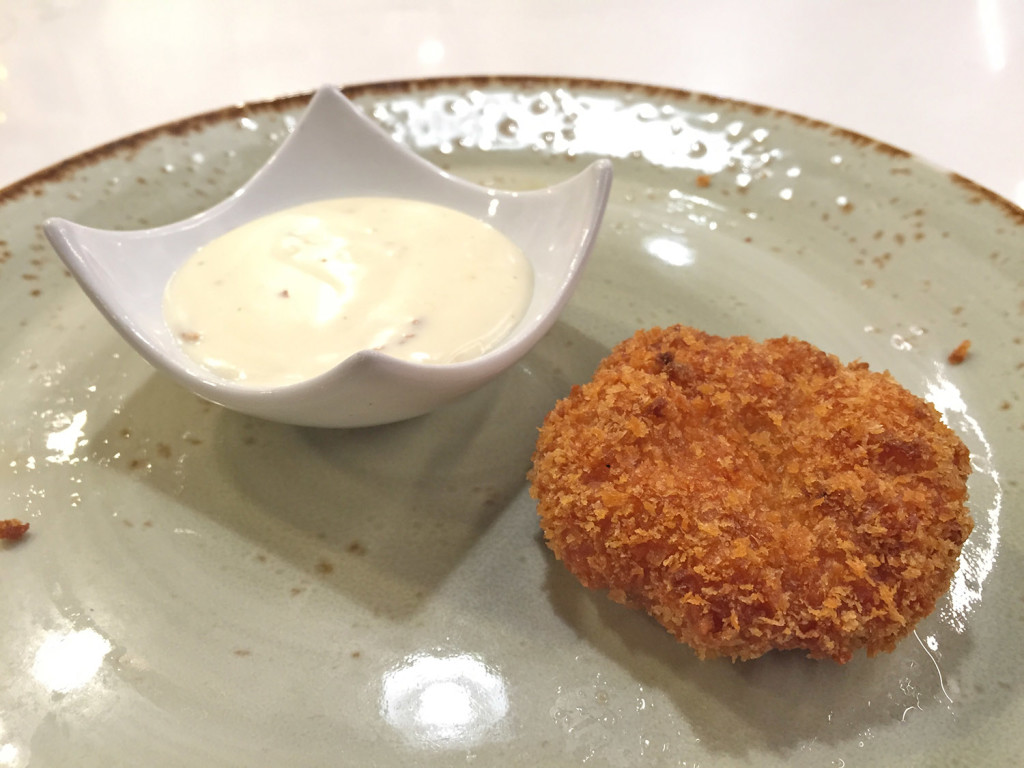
(754, 496)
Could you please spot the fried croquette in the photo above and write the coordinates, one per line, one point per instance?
(754, 496)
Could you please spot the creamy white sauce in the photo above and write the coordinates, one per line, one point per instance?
(289, 296)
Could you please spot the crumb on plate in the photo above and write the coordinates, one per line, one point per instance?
(959, 354)
(12, 529)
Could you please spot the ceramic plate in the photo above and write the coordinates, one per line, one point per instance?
(202, 588)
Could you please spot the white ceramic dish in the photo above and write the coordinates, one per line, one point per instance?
(335, 151)
(204, 588)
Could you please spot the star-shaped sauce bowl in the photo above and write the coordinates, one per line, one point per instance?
(336, 151)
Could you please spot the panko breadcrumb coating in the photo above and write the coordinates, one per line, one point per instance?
(754, 496)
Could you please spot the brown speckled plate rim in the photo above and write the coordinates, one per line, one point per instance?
(34, 183)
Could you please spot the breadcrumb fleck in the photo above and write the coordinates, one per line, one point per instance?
(12, 529)
(959, 354)
(754, 496)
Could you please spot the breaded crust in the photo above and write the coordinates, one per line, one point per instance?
(754, 496)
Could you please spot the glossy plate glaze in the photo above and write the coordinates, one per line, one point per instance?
(203, 588)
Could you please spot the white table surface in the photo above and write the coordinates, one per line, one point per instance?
(941, 78)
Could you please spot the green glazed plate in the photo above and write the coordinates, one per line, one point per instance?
(202, 588)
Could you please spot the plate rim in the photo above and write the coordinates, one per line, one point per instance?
(58, 171)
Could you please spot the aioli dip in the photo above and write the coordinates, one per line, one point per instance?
(289, 296)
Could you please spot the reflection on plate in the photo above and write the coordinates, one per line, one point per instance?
(199, 587)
